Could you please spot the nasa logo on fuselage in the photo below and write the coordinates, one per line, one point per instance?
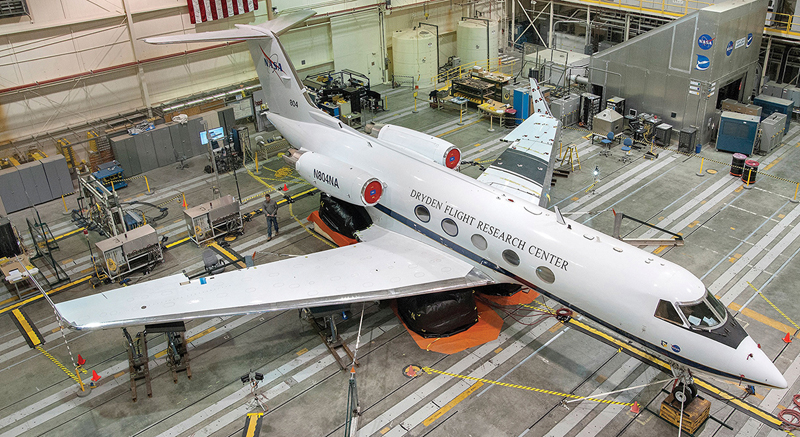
(676, 348)
(328, 179)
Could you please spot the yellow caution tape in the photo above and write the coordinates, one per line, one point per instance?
(773, 306)
(522, 387)
(58, 363)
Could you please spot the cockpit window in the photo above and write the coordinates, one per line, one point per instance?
(701, 315)
(666, 311)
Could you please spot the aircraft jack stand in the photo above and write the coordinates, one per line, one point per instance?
(138, 362)
(695, 413)
(177, 353)
(325, 317)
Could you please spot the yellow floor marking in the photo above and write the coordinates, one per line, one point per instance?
(449, 406)
(189, 340)
(601, 379)
(55, 330)
(703, 202)
(737, 255)
(26, 327)
(742, 404)
(302, 351)
(739, 190)
(575, 198)
(175, 243)
(39, 296)
(732, 228)
(498, 350)
(87, 270)
(661, 218)
(554, 328)
(117, 375)
(742, 388)
(659, 249)
(771, 164)
(694, 223)
(476, 144)
(458, 128)
(780, 216)
(66, 261)
(385, 430)
(680, 233)
(783, 328)
(10, 299)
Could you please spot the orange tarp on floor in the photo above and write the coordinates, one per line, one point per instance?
(486, 330)
(329, 233)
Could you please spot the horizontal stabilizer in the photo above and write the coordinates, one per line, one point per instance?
(278, 26)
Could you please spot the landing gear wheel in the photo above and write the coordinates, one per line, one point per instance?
(684, 396)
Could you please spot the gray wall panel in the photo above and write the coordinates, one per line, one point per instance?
(165, 152)
(12, 191)
(35, 182)
(146, 151)
(120, 149)
(195, 126)
(178, 142)
(57, 173)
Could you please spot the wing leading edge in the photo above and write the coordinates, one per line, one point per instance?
(385, 266)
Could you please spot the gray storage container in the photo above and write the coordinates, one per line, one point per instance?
(58, 178)
(12, 191)
(35, 182)
(162, 141)
(146, 151)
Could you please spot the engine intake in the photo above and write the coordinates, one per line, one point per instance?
(334, 177)
(435, 149)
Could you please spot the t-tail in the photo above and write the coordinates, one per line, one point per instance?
(284, 92)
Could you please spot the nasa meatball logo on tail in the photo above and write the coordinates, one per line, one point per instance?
(273, 65)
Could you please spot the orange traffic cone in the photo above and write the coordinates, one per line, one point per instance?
(788, 338)
(95, 376)
(635, 408)
(285, 187)
(81, 360)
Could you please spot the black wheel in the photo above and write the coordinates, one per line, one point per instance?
(685, 396)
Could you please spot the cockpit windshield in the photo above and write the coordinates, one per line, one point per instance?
(707, 313)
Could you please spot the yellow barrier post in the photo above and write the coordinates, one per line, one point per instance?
(147, 184)
(795, 193)
(460, 117)
(257, 169)
(66, 211)
(749, 176)
(185, 206)
(700, 173)
(415, 103)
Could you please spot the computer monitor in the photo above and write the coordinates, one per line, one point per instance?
(632, 112)
(216, 134)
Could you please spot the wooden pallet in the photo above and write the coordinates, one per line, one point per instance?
(695, 413)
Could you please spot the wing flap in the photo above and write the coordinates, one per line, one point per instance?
(525, 168)
(387, 265)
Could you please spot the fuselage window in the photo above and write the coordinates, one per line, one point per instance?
(422, 214)
(545, 274)
(700, 315)
(450, 227)
(666, 311)
(511, 257)
(479, 242)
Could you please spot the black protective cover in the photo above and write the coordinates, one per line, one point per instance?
(499, 289)
(439, 314)
(343, 217)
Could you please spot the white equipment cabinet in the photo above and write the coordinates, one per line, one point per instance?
(214, 219)
(130, 251)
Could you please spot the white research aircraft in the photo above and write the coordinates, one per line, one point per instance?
(435, 229)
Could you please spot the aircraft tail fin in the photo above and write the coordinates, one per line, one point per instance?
(284, 92)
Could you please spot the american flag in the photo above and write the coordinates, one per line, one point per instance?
(208, 10)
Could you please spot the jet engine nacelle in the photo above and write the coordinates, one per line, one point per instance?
(334, 177)
(435, 149)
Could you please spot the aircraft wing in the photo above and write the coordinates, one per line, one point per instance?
(525, 168)
(385, 265)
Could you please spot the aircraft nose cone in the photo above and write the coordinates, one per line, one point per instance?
(758, 367)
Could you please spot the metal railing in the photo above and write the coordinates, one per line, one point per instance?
(493, 65)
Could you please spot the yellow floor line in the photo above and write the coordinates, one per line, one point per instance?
(458, 128)
(189, 340)
(449, 406)
(39, 295)
(782, 327)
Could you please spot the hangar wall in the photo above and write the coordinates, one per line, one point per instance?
(669, 70)
(103, 69)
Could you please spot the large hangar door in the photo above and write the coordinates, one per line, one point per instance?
(357, 44)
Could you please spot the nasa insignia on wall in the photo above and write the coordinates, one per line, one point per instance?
(705, 41)
(703, 63)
